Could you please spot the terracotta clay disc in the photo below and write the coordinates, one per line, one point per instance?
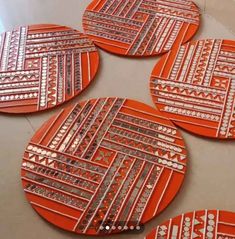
(103, 163)
(195, 87)
(140, 27)
(42, 66)
(208, 224)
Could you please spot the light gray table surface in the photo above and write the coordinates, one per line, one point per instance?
(210, 179)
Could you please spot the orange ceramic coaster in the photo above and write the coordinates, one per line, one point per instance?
(140, 27)
(195, 87)
(42, 66)
(207, 224)
(103, 166)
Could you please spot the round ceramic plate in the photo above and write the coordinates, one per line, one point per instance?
(42, 66)
(194, 86)
(140, 27)
(103, 166)
(209, 224)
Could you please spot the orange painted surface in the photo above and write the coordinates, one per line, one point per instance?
(103, 162)
(42, 66)
(213, 224)
(140, 27)
(194, 86)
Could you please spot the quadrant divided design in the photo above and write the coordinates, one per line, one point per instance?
(42, 66)
(140, 27)
(195, 87)
(106, 161)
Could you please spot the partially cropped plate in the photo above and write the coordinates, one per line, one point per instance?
(140, 27)
(209, 224)
(42, 66)
(194, 85)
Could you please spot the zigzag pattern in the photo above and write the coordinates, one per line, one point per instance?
(195, 225)
(48, 54)
(195, 86)
(140, 27)
(104, 162)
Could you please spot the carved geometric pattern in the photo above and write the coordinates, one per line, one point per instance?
(104, 161)
(140, 27)
(207, 224)
(194, 85)
(42, 66)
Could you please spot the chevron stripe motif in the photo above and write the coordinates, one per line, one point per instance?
(104, 163)
(194, 85)
(42, 66)
(140, 27)
(207, 224)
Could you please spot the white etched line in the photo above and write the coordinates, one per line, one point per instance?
(100, 125)
(169, 229)
(185, 47)
(105, 194)
(147, 113)
(226, 234)
(153, 34)
(117, 193)
(81, 70)
(181, 225)
(156, 233)
(120, 2)
(111, 122)
(163, 193)
(227, 224)
(193, 222)
(170, 136)
(64, 172)
(152, 145)
(154, 186)
(57, 132)
(56, 179)
(145, 143)
(53, 200)
(139, 194)
(69, 156)
(97, 4)
(89, 66)
(190, 123)
(72, 76)
(52, 210)
(165, 41)
(223, 109)
(100, 184)
(179, 102)
(205, 226)
(54, 188)
(183, 97)
(143, 37)
(216, 59)
(160, 30)
(110, 44)
(137, 35)
(128, 193)
(69, 141)
(148, 136)
(155, 163)
(134, 2)
(217, 223)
